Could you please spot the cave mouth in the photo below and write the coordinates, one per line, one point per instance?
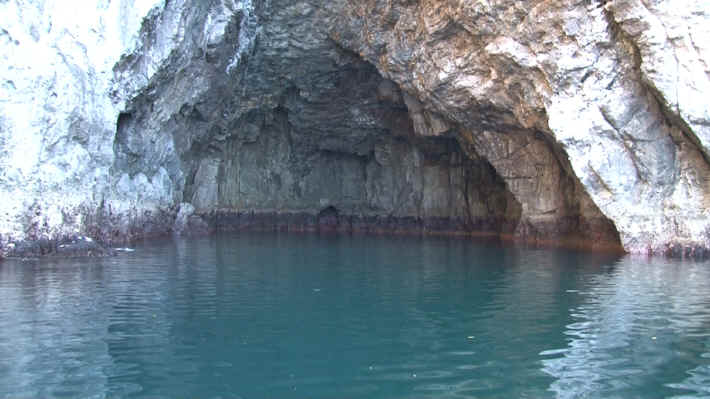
(328, 219)
(337, 150)
(340, 148)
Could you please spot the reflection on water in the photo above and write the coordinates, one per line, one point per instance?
(642, 330)
(53, 334)
(293, 316)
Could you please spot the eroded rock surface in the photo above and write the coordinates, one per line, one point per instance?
(547, 120)
(58, 119)
(598, 82)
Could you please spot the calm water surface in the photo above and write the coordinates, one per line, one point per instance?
(308, 316)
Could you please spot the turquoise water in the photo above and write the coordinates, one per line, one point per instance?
(309, 316)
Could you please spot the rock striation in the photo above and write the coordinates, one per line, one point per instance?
(559, 121)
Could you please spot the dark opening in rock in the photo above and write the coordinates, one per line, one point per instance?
(328, 219)
(122, 122)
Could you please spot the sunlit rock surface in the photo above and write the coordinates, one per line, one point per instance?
(556, 121)
(605, 94)
(58, 118)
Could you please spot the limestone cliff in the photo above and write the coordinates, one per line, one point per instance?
(552, 120)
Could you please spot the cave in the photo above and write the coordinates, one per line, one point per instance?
(348, 143)
(260, 114)
(255, 137)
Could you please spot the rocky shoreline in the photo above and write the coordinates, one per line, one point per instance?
(68, 247)
(599, 238)
(328, 221)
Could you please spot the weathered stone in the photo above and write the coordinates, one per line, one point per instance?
(57, 117)
(547, 120)
(73, 246)
(569, 101)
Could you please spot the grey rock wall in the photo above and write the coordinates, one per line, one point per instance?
(296, 128)
(548, 120)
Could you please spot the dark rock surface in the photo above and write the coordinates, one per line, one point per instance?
(74, 246)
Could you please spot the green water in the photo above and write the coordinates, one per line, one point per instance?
(308, 316)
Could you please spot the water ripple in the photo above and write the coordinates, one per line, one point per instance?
(636, 327)
(289, 316)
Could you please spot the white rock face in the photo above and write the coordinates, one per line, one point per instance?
(641, 121)
(60, 99)
(57, 122)
(673, 41)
